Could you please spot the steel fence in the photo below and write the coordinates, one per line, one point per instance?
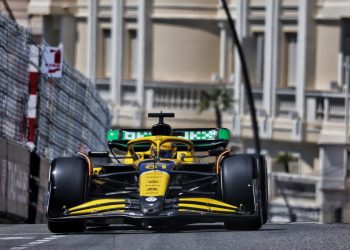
(71, 115)
(14, 59)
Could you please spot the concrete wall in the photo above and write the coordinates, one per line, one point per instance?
(335, 184)
(14, 179)
(15, 183)
(337, 206)
(42, 194)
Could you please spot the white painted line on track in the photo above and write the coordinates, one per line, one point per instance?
(16, 238)
(38, 242)
(57, 236)
(35, 243)
(23, 234)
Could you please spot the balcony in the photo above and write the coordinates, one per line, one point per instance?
(325, 111)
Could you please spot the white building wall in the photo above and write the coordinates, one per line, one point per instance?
(327, 50)
(186, 51)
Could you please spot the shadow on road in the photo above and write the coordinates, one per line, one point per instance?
(196, 228)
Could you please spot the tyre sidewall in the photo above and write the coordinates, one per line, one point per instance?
(236, 177)
(68, 184)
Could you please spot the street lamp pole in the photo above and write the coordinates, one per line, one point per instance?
(245, 74)
(92, 39)
(346, 83)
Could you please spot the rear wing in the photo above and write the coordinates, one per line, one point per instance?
(203, 139)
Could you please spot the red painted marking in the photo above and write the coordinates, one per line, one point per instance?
(33, 83)
(31, 129)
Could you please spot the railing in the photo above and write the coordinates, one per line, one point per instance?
(168, 95)
(296, 186)
(295, 196)
(320, 106)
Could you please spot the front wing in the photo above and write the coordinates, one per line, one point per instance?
(196, 209)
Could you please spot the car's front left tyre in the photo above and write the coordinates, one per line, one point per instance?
(67, 188)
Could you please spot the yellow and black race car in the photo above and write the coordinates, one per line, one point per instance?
(159, 177)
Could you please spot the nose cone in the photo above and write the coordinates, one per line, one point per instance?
(153, 183)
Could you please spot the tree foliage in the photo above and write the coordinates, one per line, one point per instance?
(219, 98)
(284, 158)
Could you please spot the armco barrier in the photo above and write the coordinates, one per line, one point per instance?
(14, 181)
(3, 175)
(43, 185)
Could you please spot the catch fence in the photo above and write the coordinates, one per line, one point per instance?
(14, 59)
(70, 115)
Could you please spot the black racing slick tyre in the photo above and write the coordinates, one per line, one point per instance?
(67, 188)
(263, 188)
(236, 177)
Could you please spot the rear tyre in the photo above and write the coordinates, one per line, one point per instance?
(236, 176)
(68, 187)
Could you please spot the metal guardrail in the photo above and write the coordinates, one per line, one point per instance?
(14, 181)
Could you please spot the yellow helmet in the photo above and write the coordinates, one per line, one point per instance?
(167, 150)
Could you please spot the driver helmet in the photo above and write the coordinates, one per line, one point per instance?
(167, 150)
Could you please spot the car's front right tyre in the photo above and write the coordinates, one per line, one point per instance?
(236, 177)
(67, 188)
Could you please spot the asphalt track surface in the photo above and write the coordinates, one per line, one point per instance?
(198, 236)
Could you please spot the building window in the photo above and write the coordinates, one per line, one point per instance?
(254, 52)
(290, 60)
(132, 54)
(107, 53)
(259, 69)
(344, 47)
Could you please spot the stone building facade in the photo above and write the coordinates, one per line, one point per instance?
(147, 55)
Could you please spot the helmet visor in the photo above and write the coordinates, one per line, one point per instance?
(166, 153)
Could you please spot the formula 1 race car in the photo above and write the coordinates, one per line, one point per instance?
(159, 177)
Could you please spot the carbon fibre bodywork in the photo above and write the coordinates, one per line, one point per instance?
(141, 186)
